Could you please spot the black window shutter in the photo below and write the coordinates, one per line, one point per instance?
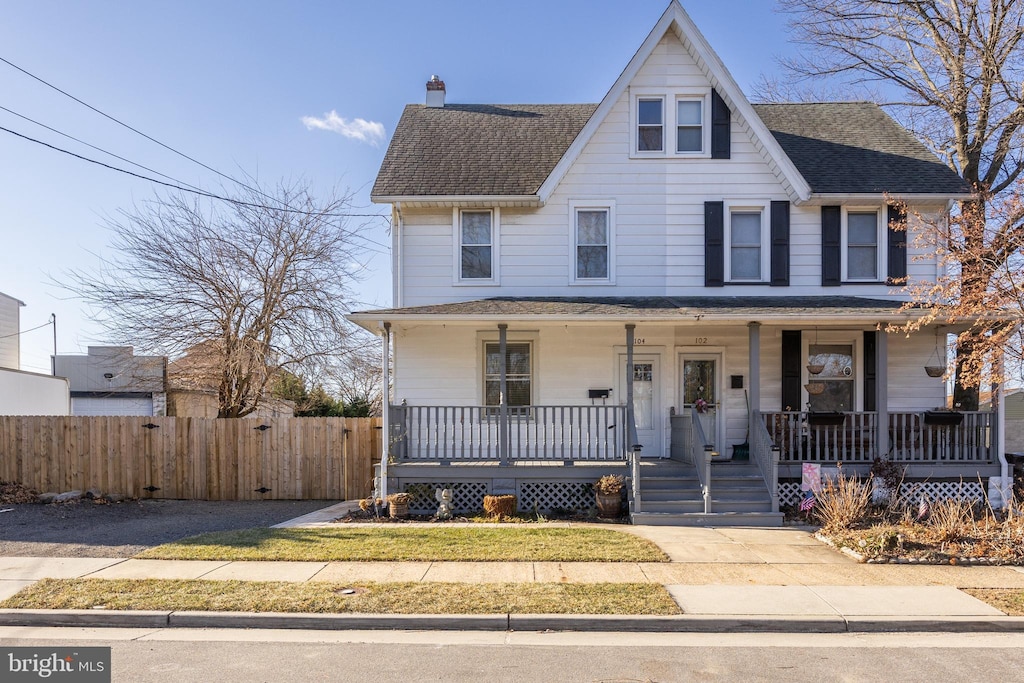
(870, 370)
(714, 244)
(791, 369)
(721, 132)
(780, 244)
(897, 246)
(831, 248)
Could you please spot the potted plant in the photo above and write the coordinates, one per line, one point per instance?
(398, 505)
(608, 492)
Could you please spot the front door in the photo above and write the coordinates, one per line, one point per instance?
(701, 389)
(646, 401)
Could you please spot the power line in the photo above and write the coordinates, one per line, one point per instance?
(203, 193)
(31, 329)
(98, 149)
(167, 147)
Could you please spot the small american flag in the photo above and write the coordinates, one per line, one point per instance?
(808, 502)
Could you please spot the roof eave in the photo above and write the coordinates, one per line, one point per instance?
(532, 200)
(909, 197)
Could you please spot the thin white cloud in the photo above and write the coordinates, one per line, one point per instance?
(370, 132)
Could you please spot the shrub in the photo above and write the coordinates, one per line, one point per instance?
(842, 503)
(610, 484)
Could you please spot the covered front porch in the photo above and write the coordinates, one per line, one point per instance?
(567, 391)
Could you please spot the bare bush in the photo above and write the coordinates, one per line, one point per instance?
(842, 503)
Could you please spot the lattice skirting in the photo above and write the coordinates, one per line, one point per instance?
(790, 493)
(468, 496)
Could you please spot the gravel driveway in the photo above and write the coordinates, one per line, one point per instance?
(85, 529)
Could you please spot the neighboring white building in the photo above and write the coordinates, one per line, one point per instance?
(112, 380)
(671, 257)
(24, 393)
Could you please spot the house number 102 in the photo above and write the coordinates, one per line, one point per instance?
(700, 340)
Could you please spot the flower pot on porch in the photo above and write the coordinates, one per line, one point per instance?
(943, 418)
(609, 505)
(826, 419)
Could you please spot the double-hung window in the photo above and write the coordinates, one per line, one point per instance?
(650, 124)
(593, 236)
(518, 375)
(746, 242)
(689, 126)
(862, 245)
(476, 251)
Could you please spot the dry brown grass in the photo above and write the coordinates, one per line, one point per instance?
(842, 503)
(1009, 600)
(368, 597)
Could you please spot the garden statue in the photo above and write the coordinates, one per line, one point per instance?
(444, 503)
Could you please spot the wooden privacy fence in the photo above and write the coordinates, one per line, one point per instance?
(316, 458)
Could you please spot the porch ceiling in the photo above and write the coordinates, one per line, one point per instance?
(726, 309)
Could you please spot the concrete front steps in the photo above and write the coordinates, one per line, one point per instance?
(670, 495)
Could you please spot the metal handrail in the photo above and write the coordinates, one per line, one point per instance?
(766, 454)
(700, 455)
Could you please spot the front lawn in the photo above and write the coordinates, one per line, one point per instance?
(414, 544)
(367, 598)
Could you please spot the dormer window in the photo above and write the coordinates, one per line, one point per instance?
(651, 128)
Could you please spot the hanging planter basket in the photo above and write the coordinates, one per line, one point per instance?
(815, 368)
(935, 370)
(815, 388)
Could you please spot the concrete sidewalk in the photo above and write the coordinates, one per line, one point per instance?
(725, 579)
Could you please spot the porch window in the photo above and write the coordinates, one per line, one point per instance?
(838, 377)
(476, 245)
(862, 245)
(518, 375)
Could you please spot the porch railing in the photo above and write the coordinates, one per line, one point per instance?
(700, 456)
(853, 437)
(766, 455)
(473, 433)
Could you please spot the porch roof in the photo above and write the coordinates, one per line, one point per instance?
(663, 308)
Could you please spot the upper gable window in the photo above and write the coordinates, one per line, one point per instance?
(593, 226)
(671, 122)
(650, 118)
(475, 257)
(689, 125)
(861, 239)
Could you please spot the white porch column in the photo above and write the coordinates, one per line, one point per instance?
(754, 342)
(503, 394)
(385, 408)
(882, 391)
(631, 437)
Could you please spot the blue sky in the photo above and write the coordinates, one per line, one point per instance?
(229, 84)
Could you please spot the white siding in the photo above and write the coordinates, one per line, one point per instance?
(10, 346)
(28, 393)
(659, 228)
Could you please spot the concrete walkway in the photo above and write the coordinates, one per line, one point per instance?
(760, 579)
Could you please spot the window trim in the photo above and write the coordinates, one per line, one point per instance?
(881, 244)
(748, 206)
(457, 279)
(575, 206)
(855, 338)
(670, 97)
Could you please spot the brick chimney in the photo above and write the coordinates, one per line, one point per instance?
(435, 92)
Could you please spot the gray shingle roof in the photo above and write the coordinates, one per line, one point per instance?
(856, 147)
(509, 150)
(639, 307)
(474, 149)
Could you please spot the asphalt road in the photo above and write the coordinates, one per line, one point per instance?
(85, 529)
(251, 656)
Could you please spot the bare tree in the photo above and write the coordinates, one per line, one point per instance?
(359, 376)
(951, 70)
(245, 289)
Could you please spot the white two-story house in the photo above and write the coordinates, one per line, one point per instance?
(673, 283)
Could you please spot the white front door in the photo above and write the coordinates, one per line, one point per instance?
(646, 401)
(701, 388)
